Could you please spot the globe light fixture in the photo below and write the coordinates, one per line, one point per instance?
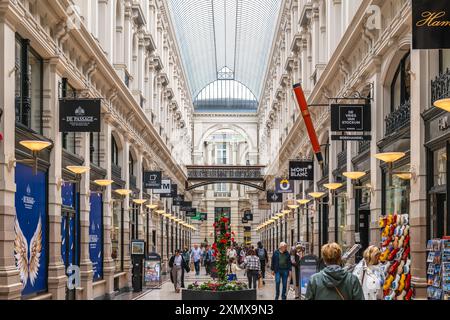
(354, 175)
(390, 157)
(443, 104)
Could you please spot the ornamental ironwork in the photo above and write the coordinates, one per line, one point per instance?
(226, 173)
(398, 119)
(440, 87)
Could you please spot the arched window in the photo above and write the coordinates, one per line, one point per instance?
(131, 164)
(114, 152)
(401, 83)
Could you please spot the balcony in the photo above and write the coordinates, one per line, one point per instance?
(363, 146)
(398, 118)
(222, 194)
(440, 87)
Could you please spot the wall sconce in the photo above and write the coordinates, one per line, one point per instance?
(354, 176)
(303, 201)
(390, 158)
(123, 192)
(103, 183)
(443, 104)
(35, 146)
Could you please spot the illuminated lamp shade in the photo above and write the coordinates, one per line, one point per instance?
(443, 104)
(139, 201)
(390, 157)
(279, 215)
(333, 186)
(35, 145)
(303, 201)
(286, 212)
(152, 206)
(160, 211)
(78, 169)
(123, 192)
(103, 183)
(404, 176)
(356, 175)
(317, 195)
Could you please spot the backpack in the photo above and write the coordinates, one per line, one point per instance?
(262, 254)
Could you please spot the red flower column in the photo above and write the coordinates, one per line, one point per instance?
(220, 247)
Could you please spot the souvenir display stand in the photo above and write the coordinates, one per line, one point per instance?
(438, 269)
(395, 257)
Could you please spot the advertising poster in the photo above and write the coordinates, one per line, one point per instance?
(30, 245)
(307, 272)
(152, 272)
(96, 235)
(68, 224)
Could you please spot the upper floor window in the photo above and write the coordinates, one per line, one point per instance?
(68, 138)
(444, 60)
(28, 86)
(131, 164)
(114, 152)
(221, 153)
(95, 148)
(401, 83)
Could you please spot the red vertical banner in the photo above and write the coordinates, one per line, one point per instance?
(303, 105)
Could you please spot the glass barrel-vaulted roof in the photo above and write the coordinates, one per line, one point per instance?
(225, 44)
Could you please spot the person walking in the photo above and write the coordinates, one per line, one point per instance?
(281, 268)
(187, 257)
(333, 282)
(263, 260)
(232, 253)
(207, 255)
(232, 270)
(196, 256)
(252, 266)
(370, 275)
(295, 260)
(177, 265)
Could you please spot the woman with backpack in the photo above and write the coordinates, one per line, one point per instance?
(263, 260)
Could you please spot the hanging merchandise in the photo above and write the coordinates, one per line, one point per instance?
(395, 257)
(438, 269)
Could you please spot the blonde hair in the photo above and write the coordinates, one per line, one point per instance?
(332, 254)
(371, 255)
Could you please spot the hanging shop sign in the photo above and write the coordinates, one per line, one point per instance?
(30, 245)
(303, 105)
(166, 187)
(204, 216)
(351, 137)
(79, 115)
(431, 24)
(248, 215)
(301, 170)
(185, 205)
(274, 197)
(96, 235)
(283, 186)
(152, 179)
(191, 212)
(173, 192)
(351, 117)
(178, 200)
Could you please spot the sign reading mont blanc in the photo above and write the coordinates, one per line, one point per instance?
(273, 197)
(152, 180)
(350, 117)
(284, 186)
(166, 187)
(80, 115)
(301, 170)
(431, 24)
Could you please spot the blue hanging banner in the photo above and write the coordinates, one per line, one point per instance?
(96, 235)
(30, 245)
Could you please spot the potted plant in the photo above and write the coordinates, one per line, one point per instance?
(221, 289)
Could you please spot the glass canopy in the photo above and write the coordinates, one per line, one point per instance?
(225, 45)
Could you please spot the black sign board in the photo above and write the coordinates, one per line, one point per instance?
(152, 179)
(284, 185)
(351, 117)
(248, 216)
(191, 212)
(431, 24)
(244, 220)
(301, 170)
(185, 205)
(79, 115)
(204, 216)
(273, 197)
(178, 199)
(351, 137)
(173, 192)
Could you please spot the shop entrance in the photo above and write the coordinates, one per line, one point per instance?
(363, 230)
(439, 217)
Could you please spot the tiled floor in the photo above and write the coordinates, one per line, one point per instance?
(167, 291)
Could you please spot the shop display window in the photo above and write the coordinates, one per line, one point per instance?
(444, 60)
(397, 192)
(440, 167)
(115, 236)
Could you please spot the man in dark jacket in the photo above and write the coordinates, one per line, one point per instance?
(281, 269)
(261, 252)
(333, 282)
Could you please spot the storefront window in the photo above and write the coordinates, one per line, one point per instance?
(397, 192)
(115, 235)
(440, 167)
(444, 60)
(341, 221)
(401, 84)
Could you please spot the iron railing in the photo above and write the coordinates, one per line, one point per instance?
(363, 146)
(342, 159)
(225, 173)
(440, 87)
(398, 118)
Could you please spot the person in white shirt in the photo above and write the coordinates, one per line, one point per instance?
(196, 256)
(177, 264)
(232, 254)
(370, 275)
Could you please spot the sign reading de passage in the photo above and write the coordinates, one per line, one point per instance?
(431, 24)
(301, 170)
(79, 115)
(351, 117)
